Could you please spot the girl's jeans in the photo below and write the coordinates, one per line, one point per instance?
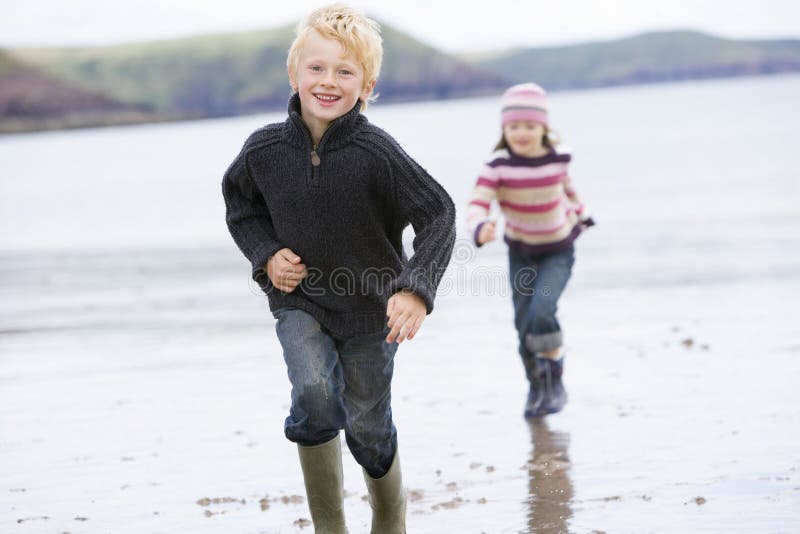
(536, 285)
(339, 383)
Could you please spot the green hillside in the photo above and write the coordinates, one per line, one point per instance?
(652, 57)
(198, 76)
(237, 73)
(32, 100)
(228, 74)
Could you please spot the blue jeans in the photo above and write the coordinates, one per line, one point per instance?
(339, 384)
(537, 284)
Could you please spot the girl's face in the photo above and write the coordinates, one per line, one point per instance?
(525, 138)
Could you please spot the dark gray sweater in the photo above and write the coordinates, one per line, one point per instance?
(342, 208)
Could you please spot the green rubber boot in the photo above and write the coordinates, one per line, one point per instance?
(388, 500)
(324, 479)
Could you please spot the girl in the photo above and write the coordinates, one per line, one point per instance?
(529, 179)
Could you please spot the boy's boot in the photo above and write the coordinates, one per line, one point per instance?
(555, 396)
(324, 479)
(533, 405)
(388, 500)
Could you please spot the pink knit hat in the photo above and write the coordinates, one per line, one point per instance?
(524, 102)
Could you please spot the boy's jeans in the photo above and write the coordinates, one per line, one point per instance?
(536, 286)
(339, 383)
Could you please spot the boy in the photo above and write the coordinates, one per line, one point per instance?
(318, 205)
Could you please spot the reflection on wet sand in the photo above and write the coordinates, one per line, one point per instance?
(549, 484)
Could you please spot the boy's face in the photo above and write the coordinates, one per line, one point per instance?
(329, 83)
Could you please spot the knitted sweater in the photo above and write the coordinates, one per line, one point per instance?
(542, 210)
(342, 207)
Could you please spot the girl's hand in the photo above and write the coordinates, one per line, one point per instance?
(406, 312)
(486, 232)
(285, 270)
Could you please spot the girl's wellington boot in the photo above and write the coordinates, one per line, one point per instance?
(533, 404)
(550, 374)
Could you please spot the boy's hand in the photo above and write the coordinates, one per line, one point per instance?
(486, 233)
(406, 312)
(285, 270)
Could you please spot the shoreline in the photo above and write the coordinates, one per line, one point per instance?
(14, 126)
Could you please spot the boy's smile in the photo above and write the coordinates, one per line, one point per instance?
(328, 81)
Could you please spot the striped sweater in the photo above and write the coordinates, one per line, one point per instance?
(542, 210)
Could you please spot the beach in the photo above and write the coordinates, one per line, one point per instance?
(142, 387)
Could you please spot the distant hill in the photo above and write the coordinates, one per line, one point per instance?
(646, 58)
(230, 74)
(237, 73)
(31, 99)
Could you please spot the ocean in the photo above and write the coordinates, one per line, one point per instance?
(140, 374)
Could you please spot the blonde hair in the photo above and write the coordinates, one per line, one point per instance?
(358, 35)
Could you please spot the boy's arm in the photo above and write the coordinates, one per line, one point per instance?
(406, 312)
(430, 210)
(247, 216)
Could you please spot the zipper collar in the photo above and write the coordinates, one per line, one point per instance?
(338, 133)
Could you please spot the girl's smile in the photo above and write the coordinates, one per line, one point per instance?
(525, 138)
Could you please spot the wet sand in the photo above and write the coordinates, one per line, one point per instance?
(144, 391)
(135, 397)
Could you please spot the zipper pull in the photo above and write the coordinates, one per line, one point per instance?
(315, 161)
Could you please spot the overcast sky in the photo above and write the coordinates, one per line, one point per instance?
(447, 25)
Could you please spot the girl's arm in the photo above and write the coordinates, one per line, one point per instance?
(577, 205)
(480, 202)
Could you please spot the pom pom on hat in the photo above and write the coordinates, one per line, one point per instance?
(524, 102)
